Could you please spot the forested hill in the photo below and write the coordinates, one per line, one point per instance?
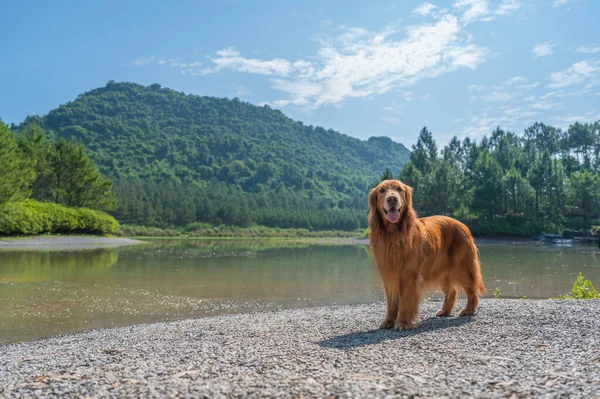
(158, 134)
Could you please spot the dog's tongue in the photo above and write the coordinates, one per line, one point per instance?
(392, 215)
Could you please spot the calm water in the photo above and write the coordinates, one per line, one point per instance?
(49, 293)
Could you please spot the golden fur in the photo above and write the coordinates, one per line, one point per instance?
(415, 253)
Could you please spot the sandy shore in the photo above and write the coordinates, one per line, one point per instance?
(64, 243)
(511, 348)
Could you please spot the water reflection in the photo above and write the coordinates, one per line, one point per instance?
(48, 293)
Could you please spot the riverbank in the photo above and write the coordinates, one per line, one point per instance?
(197, 230)
(47, 243)
(511, 348)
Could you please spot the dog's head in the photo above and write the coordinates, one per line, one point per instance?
(391, 200)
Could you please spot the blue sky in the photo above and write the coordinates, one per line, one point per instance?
(364, 68)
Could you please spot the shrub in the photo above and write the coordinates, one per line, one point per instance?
(32, 217)
(582, 289)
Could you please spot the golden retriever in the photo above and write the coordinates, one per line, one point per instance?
(414, 253)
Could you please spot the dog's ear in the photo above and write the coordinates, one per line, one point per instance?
(374, 216)
(373, 198)
(408, 195)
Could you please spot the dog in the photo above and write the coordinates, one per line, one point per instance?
(412, 254)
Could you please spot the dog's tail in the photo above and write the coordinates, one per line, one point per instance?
(475, 272)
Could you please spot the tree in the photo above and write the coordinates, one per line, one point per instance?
(76, 181)
(584, 195)
(519, 193)
(488, 193)
(16, 173)
(424, 155)
(36, 149)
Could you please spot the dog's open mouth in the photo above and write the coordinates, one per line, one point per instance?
(392, 215)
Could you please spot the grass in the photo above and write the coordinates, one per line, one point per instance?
(196, 230)
(582, 289)
(497, 292)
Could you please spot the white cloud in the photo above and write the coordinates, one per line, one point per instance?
(394, 108)
(559, 3)
(542, 50)
(391, 119)
(229, 58)
(479, 10)
(588, 49)
(143, 61)
(407, 94)
(242, 91)
(515, 80)
(474, 9)
(424, 9)
(564, 122)
(577, 73)
(508, 117)
(513, 105)
(513, 88)
(516, 103)
(361, 63)
(545, 106)
(507, 7)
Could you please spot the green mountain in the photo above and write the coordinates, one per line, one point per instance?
(155, 135)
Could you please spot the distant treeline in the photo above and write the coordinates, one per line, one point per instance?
(167, 204)
(505, 184)
(542, 181)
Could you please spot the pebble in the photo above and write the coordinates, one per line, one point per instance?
(511, 348)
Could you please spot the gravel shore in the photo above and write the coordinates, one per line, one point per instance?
(511, 348)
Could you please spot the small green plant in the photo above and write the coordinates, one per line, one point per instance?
(522, 297)
(582, 289)
(497, 292)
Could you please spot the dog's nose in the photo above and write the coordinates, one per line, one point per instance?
(391, 200)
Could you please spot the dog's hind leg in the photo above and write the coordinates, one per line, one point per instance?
(472, 302)
(450, 294)
(472, 282)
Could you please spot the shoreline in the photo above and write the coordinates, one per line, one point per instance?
(78, 242)
(511, 347)
(68, 242)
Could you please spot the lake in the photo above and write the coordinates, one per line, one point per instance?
(46, 293)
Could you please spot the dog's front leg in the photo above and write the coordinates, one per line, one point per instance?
(408, 310)
(391, 296)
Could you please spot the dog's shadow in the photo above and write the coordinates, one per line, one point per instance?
(372, 337)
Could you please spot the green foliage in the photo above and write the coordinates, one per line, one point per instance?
(511, 185)
(170, 204)
(497, 292)
(153, 133)
(31, 217)
(204, 230)
(75, 181)
(16, 172)
(582, 289)
(178, 159)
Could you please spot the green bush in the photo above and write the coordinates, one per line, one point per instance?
(582, 289)
(32, 217)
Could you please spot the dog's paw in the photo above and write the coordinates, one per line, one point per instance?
(404, 325)
(466, 312)
(442, 313)
(386, 324)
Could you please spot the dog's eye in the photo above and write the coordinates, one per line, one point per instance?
(382, 190)
(399, 189)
